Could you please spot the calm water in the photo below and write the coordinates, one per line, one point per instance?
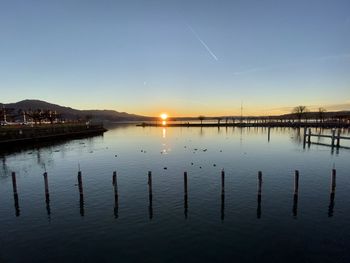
(208, 228)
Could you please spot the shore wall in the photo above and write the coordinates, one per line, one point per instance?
(26, 134)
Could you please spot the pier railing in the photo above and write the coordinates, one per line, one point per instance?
(335, 137)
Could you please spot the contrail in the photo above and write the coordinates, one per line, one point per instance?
(203, 43)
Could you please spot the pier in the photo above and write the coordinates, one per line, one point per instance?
(335, 138)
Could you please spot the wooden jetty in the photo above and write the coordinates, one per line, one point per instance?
(335, 138)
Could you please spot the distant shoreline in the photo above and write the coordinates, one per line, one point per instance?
(269, 124)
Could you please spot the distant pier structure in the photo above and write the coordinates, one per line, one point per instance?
(335, 137)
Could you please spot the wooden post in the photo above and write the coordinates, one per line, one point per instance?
(338, 138)
(222, 182)
(222, 194)
(185, 183)
(296, 182)
(15, 194)
(150, 183)
(47, 194)
(46, 185)
(333, 137)
(295, 196)
(81, 194)
(14, 183)
(115, 186)
(332, 193)
(185, 195)
(304, 142)
(114, 178)
(258, 211)
(309, 136)
(150, 207)
(259, 183)
(334, 174)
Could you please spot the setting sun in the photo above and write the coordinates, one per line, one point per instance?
(164, 116)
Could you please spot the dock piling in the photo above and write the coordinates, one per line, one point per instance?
(185, 195)
(47, 194)
(332, 193)
(333, 137)
(338, 138)
(258, 212)
(116, 199)
(222, 182)
(81, 194)
(333, 181)
(150, 195)
(309, 137)
(15, 194)
(296, 192)
(296, 182)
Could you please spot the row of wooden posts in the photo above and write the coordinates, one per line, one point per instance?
(335, 138)
(150, 193)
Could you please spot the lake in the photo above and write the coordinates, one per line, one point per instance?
(88, 224)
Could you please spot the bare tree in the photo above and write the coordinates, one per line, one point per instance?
(218, 119)
(321, 114)
(300, 111)
(201, 118)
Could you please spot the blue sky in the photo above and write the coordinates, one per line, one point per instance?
(183, 57)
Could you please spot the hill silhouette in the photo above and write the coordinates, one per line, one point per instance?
(72, 114)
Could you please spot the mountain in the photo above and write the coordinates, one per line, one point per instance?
(73, 114)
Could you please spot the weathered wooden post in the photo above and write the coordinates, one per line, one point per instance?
(296, 191)
(259, 183)
(309, 137)
(333, 180)
(222, 194)
(185, 183)
(115, 187)
(150, 207)
(259, 194)
(185, 195)
(14, 183)
(332, 193)
(81, 194)
(338, 138)
(296, 182)
(15, 194)
(47, 194)
(222, 182)
(333, 137)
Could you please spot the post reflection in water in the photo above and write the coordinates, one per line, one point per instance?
(15, 194)
(81, 194)
(47, 195)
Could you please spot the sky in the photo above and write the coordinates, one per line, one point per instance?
(186, 58)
